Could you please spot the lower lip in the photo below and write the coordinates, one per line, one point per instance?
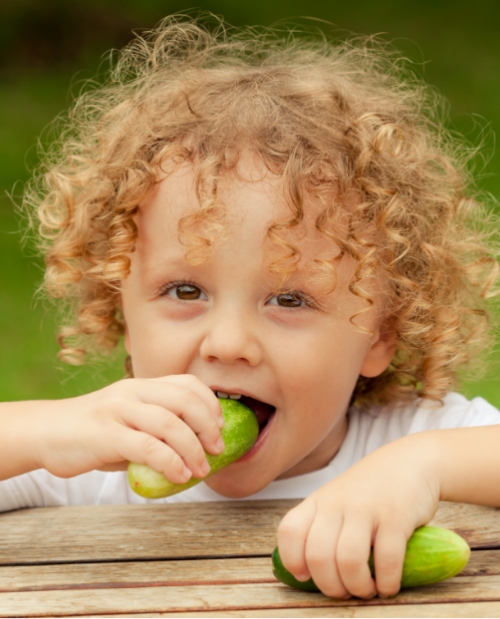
(260, 440)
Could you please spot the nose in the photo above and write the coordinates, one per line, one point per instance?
(232, 337)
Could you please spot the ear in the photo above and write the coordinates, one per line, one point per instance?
(379, 355)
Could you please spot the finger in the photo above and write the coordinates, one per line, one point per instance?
(353, 552)
(321, 549)
(142, 448)
(187, 405)
(292, 535)
(201, 389)
(169, 428)
(389, 553)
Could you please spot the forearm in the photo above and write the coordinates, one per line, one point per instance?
(460, 464)
(469, 464)
(20, 429)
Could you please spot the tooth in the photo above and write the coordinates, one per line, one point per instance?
(221, 394)
(234, 396)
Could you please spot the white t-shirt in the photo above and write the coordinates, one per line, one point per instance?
(367, 431)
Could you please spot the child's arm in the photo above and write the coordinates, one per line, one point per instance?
(166, 423)
(380, 501)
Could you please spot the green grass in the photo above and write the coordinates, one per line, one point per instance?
(28, 365)
(452, 46)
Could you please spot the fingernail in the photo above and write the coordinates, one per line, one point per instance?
(186, 474)
(205, 468)
(302, 577)
(219, 445)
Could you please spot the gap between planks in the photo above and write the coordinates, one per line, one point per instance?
(138, 560)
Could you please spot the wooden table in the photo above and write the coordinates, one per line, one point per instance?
(205, 560)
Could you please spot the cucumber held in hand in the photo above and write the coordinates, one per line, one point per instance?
(432, 555)
(239, 433)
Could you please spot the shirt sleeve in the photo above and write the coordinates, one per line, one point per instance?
(456, 412)
(41, 489)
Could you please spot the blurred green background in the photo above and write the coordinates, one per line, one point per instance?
(48, 48)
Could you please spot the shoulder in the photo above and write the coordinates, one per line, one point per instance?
(454, 411)
(369, 430)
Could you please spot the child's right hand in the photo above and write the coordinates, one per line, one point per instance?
(167, 423)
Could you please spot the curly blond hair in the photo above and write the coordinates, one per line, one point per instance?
(331, 119)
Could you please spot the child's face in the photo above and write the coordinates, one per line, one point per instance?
(221, 322)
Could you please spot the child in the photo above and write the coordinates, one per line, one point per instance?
(283, 222)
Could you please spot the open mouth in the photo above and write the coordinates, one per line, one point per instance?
(262, 410)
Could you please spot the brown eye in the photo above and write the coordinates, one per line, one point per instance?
(187, 292)
(289, 299)
(184, 292)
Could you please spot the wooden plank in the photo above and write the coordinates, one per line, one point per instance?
(189, 572)
(478, 525)
(468, 609)
(230, 597)
(140, 574)
(483, 563)
(222, 529)
(130, 532)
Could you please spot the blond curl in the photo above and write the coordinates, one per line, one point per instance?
(334, 120)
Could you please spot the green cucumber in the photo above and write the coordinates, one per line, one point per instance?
(239, 433)
(432, 554)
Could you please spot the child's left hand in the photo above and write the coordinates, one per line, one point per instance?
(377, 503)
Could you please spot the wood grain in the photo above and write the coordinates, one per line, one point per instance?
(210, 559)
(223, 529)
(124, 532)
(468, 609)
(229, 597)
(478, 525)
(482, 563)
(190, 572)
(139, 574)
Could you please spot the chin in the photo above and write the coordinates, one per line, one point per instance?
(231, 487)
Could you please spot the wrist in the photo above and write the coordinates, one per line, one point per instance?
(47, 434)
(420, 457)
(427, 447)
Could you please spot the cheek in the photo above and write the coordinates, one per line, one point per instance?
(322, 380)
(145, 339)
(160, 349)
(327, 363)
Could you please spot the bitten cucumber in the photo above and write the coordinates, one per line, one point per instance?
(432, 554)
(239, 433)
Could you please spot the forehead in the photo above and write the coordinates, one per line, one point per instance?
(251, 198)
(176, 194)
